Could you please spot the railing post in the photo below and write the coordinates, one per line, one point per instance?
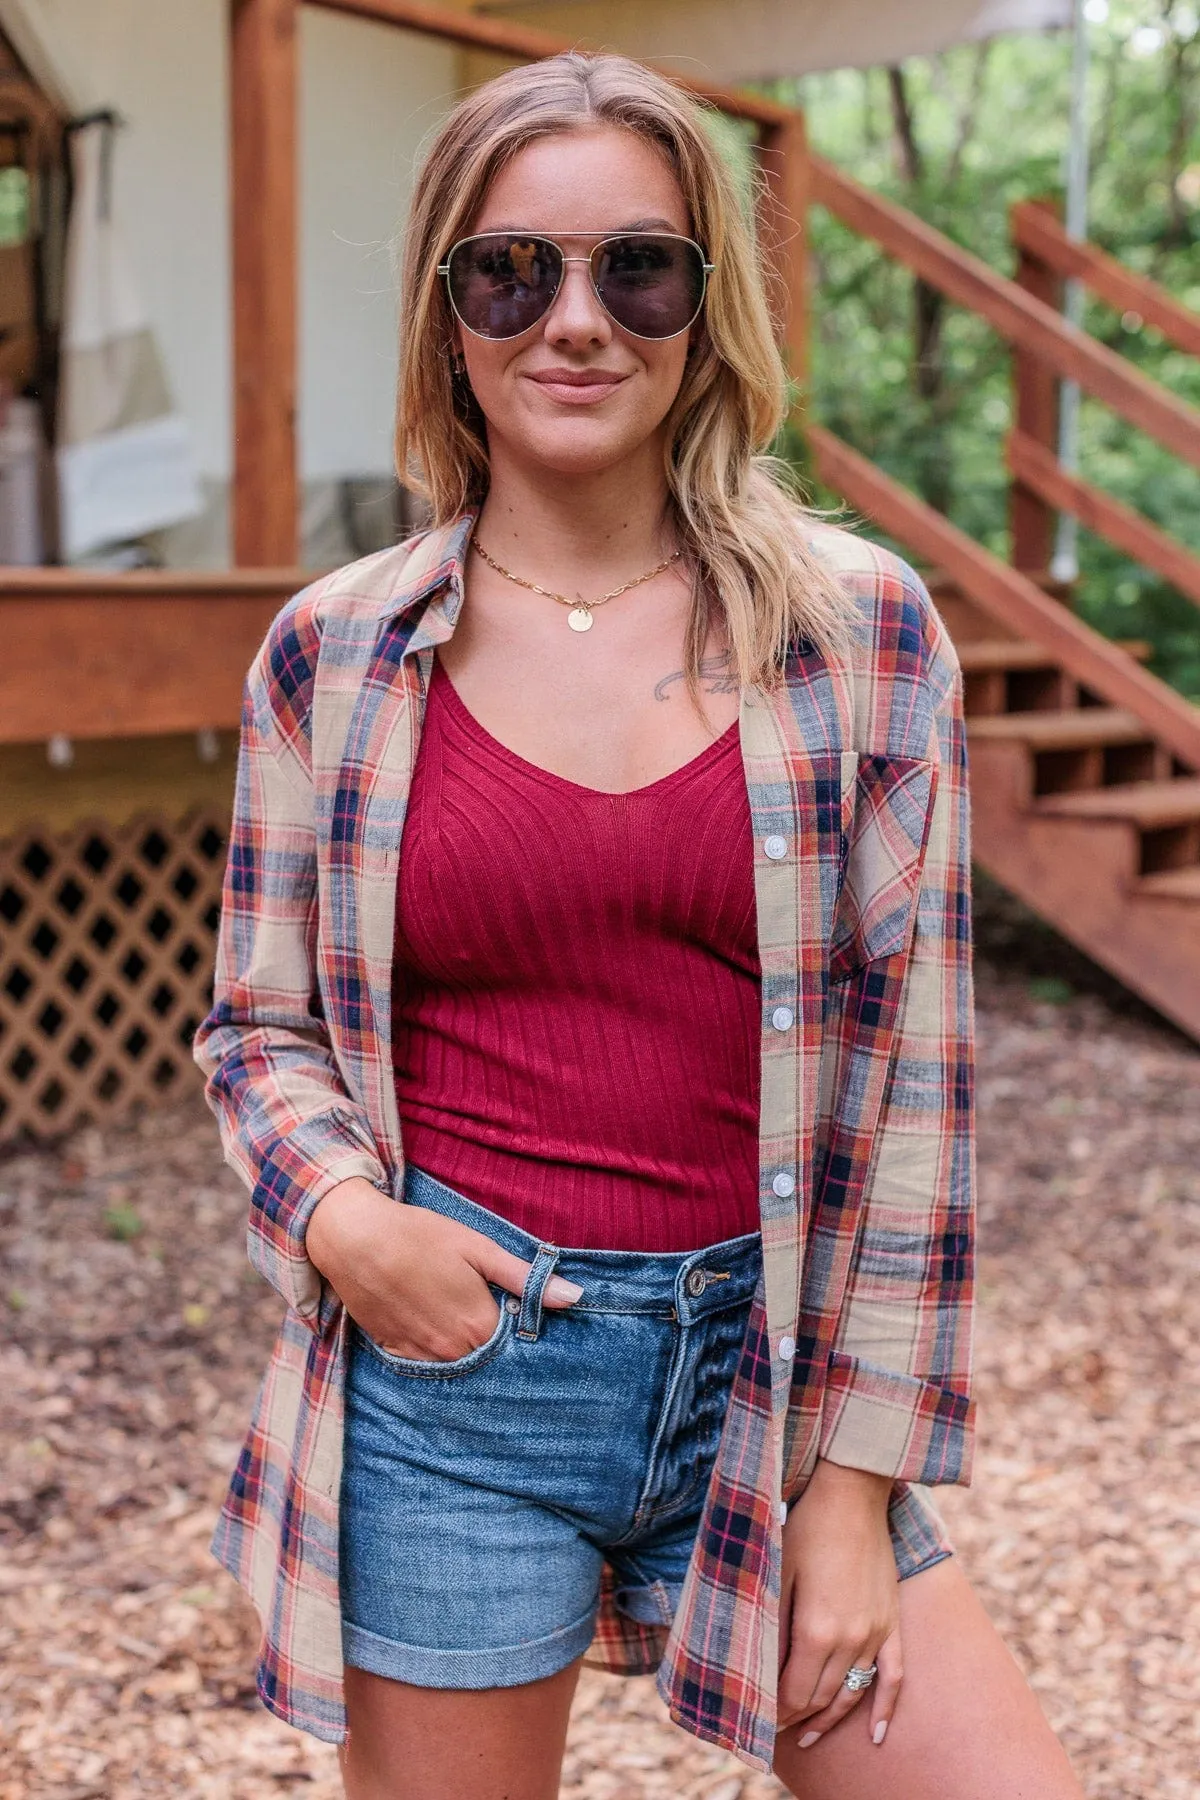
(1035, 412)
(263, 173)
(783, 230)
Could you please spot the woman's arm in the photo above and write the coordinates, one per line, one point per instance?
(287, 1123)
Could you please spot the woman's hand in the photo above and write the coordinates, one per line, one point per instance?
(840, 1603)
(414, 1280)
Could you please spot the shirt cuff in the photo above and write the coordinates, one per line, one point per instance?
(894, 1424)
(298, 1171)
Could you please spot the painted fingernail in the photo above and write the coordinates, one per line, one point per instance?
(880, 1731)
(810, 1737)
(566, 1291)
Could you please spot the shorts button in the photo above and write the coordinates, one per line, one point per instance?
(696, 1282)
(512, 1304)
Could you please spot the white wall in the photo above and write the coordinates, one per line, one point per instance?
(369, 94)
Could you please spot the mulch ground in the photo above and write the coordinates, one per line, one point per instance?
(133, 1334)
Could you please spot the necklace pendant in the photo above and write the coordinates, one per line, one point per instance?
(580, 618)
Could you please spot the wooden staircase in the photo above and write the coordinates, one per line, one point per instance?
(1085, 768)
(1080, 810)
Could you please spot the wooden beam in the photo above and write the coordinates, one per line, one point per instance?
(1017, 316)
(1009, 597)
(133, 661)
(1039, 473)
(783, 159)
(1031, 521)
(109, 585)
(263, 170)
(1037, 231)
(523, 43)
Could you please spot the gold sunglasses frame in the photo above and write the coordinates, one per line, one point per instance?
(602, 237)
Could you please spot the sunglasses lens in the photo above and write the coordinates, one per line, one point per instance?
(501, 284)
(653, 286)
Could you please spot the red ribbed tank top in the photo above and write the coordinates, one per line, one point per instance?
(576, 992)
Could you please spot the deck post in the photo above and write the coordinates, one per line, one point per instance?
(783, 161)
(263, 175)
(1032, 522)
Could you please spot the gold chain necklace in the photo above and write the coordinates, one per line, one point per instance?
(580, 616)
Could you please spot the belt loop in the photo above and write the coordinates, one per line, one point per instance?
(529, 1322)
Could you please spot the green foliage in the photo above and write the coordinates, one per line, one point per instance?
(123, 1221)
(1051, 988)
(989, 127)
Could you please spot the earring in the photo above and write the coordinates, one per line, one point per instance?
(458, 363)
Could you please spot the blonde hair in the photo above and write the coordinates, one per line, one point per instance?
(742, 531)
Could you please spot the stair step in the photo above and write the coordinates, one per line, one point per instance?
(979, 655)
(1151, 805)
(1076, 728)
(983, 654)
(1174, 884)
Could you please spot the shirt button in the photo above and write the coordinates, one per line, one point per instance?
(787, 1348)
(783, 1018)
(783, 1512)
(775, 847)
(784, 1184)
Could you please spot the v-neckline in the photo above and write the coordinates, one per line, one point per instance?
(466, 717)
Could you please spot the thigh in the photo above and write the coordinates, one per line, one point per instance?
(419, 1743)
(967, 1725)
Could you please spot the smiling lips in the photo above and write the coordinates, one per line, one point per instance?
(578, 387)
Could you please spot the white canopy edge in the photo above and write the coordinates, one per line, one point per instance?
(760, 40)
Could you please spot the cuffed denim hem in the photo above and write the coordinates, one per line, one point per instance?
(511, 1665)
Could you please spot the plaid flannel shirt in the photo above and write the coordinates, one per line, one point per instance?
(856, 777)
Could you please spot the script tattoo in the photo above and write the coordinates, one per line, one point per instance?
(716, 677)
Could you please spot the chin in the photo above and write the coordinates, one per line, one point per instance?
(575, 452)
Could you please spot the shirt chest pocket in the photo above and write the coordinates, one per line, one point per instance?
(887, 803)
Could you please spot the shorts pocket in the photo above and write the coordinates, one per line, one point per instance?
(424, 1370)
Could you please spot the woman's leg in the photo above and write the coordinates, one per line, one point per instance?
(967, 1726)
(420, 1743)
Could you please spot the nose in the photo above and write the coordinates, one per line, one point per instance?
(577, 316)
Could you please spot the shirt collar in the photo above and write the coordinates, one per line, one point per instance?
(435, 565)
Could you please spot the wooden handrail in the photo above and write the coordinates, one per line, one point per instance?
(158, 584)
(1035, 229)
(1015, 314)
(1037, 468)
(1008, 596)
(526, 44)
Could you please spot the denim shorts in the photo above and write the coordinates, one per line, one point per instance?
(481, 1498)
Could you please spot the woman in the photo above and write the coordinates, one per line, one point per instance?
(607, 845)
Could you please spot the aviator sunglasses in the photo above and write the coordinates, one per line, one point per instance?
(502, 282)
